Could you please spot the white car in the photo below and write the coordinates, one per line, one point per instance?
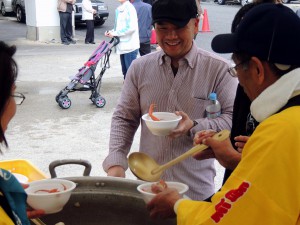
(5, 7)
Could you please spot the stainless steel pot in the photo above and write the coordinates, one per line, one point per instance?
(104, 201)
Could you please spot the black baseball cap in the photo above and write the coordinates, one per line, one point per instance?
(177, 12)
(269, 31)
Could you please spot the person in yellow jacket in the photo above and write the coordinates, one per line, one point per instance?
(264, 188)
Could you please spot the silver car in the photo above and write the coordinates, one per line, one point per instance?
(6, 8)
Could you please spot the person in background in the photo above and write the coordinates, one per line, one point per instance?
(264, 186)
(12, 194)
(88, 15)
(145, 25)
(180, 78)
(127, 29)
(65, 8)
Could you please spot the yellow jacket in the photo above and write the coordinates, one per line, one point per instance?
(264, 189)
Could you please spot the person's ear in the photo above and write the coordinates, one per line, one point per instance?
(257, 70)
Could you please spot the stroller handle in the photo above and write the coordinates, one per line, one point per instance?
(115, 40)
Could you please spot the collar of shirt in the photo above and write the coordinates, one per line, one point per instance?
(189, 57)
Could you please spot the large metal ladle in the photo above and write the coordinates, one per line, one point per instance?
(145, 168)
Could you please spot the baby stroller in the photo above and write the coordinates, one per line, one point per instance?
(85, 79)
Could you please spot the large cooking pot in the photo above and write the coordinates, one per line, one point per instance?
(103, 201)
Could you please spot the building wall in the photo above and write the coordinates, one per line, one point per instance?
(42, 20)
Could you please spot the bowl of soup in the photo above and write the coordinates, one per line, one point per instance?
(167, 122)
(148, 189)
(49, 195)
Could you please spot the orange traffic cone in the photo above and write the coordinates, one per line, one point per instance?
(205, 24)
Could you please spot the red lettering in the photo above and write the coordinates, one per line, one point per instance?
(235, 194)
(222, 207)
(227, 205)
(216, 217)
(231, 195)
(223, 204)
(220, 203)
(245, 185)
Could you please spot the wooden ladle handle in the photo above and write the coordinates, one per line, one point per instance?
(221, 136)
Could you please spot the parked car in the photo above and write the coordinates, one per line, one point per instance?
(6, 8)
(18, 7)
(242, 2)
(99, 6)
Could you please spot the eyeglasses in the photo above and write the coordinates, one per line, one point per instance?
(19, 98)
(232, 70)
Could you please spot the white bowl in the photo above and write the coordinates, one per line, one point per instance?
(168, 122)
(147, 194)
(38, 198)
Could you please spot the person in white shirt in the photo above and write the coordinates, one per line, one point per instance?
(88, 15)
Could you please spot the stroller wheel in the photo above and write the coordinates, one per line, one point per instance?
(64, 103)
(100, 102)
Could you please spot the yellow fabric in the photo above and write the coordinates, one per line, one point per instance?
(4, 218)
(265, 187)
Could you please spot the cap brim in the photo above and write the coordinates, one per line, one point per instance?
(178, 23)
(225, 43)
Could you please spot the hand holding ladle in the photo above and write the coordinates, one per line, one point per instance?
(145, 168)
